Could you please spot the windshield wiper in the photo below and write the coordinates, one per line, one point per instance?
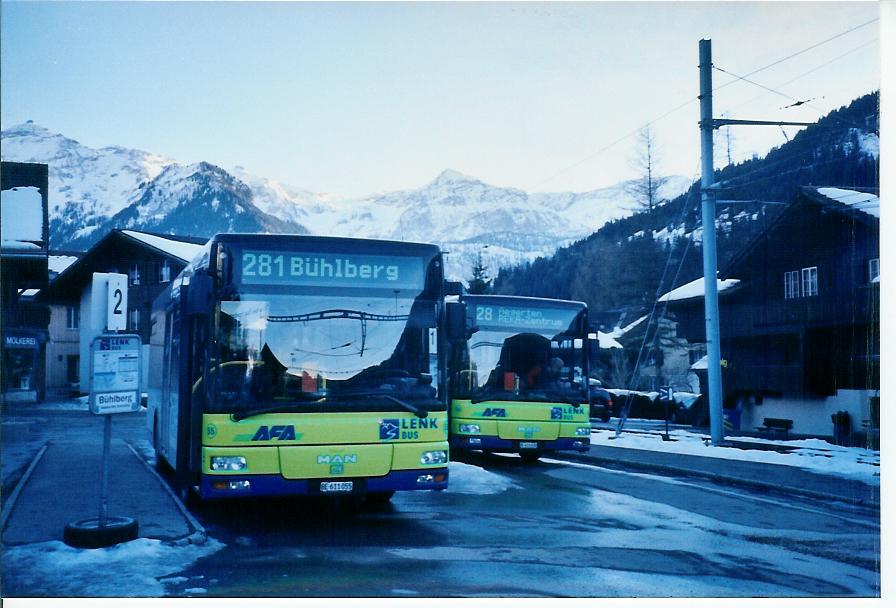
(533, 396)
(416, 410)
(419, 412)
(493, 396)
(270, 409)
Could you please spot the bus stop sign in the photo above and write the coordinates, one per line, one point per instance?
(666, 393)
(115, 373)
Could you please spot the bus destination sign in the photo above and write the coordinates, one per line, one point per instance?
(330, 269)
(554, 319)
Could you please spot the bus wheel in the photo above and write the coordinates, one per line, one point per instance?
(530, 457)
(379, 498)
(88, 534)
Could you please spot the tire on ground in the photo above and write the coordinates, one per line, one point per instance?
(88, 534)
(530, 457)
(379, 498)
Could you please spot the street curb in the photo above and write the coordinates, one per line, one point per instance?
(737, 481)
(199, 535)
(11, 501)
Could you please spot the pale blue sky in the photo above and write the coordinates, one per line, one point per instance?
(355, 98)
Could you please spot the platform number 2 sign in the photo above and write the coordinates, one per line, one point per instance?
(117, 305)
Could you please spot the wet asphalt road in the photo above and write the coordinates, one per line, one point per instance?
(505, 529)
(551, 529)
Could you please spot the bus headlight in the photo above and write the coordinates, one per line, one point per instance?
(434, 457)
(229, 463)
(469, 428)
(583, 431)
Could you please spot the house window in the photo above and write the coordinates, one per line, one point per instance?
(791, 285)
(72, 317)
(810, 281)
(134, 319)
(164, 272)
(874, 270)
(134, 274)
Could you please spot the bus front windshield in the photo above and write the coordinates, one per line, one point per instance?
(525, 363)
(325, 352)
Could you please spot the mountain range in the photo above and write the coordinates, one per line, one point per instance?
(93, 190)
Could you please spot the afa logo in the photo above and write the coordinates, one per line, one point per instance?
(497, 412)
(278, 431)
(389, 428)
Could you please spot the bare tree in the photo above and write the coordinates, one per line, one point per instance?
(646, 188)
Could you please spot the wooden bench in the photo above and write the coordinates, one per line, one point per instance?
(778, 426)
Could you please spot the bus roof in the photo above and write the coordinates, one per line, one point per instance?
(335, 243)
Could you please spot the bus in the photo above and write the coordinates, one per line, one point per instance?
(518, 375)
(300, 365)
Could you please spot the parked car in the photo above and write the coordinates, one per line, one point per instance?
(601, 401)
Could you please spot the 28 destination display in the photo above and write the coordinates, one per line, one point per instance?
(556, 319)
(330, 269)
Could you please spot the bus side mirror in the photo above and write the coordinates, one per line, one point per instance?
(453, 288)
(456, 321)
(199, 294)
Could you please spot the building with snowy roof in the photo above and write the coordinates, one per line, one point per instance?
(150, 260)
(23, 265)
(800, 315)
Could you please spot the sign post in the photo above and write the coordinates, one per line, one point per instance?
(114, 389)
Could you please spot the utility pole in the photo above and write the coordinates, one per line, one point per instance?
(710, 264)
(708, 214)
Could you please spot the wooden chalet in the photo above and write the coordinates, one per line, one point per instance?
(800, 315)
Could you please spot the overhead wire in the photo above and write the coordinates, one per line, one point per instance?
(693, 99)
(636, 372)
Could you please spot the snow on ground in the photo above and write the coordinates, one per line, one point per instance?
(133, 568)
(470, 479)
(812, 454)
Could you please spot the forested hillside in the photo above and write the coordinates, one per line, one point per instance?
(620, 267)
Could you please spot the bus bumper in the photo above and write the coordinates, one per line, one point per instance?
(496, 444)
(229, 486)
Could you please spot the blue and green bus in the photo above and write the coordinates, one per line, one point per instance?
(519, 375)
(303, 365)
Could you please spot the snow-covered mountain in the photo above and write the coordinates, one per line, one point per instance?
(94, 190)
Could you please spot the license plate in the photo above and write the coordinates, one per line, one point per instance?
(336, 486)
(528, 445)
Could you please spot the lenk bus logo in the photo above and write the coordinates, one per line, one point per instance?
(565, 413)
(497, 412)
(389, 428)
(278, 431)
(393, 428)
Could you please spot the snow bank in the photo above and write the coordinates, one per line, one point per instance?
(54, 569)
(812, 454)
(470, 479)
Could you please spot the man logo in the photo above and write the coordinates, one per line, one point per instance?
(389, 428)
